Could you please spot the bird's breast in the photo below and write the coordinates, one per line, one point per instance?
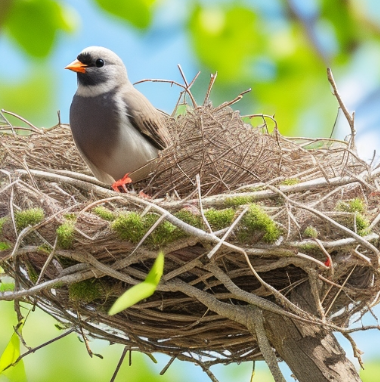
(105, 137)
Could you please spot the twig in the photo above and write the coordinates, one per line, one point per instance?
(357, 352)
(124, 353)
(39, 347)
(358, 238)
(34, 128)
(172, 359)
(230, 229)
(47, 262)
(198, 182)
(256, 326)
(350, 118)
(210, 85)
(236, 99)
(340, 290)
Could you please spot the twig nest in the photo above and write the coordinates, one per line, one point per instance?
(289, 211)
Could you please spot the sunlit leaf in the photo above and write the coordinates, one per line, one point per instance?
(34, 24)
(140, 291)
(136, 12)
(10, 355)
(224, 38)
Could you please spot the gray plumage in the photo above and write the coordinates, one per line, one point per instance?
(115, 128)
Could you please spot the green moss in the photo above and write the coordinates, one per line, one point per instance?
(238, 201)
(4, 246)
(357, 207)
(219, 219)
(362, 225)
(163, 234)
(256, 220)
(129, 226)
(85, 291)
(189, 218)
(65, 234)
(33, 276)
(70, 217)
(353, 205)
(31, 216)
(310, 231)
(44, 249)
(308, 247)
(2, 222)
(104, 213)
(290, 181)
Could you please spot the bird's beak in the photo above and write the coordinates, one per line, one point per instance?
(77, 66)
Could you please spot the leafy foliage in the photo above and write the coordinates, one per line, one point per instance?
(34, 24)
(136, 12)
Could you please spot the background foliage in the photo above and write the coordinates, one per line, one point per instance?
(279, 48)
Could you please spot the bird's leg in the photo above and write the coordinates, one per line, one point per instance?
(121, 183)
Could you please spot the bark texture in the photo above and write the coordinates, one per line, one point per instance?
(312, 353)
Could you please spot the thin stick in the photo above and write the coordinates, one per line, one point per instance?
(34, 128)
(119, 364)
(47, 262)
(350, 118)
(210, 85)
(39, 347)
(229, 103)
(198, 181)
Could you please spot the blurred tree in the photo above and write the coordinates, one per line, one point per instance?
(279, 48)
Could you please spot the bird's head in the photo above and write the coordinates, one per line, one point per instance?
(99, 70)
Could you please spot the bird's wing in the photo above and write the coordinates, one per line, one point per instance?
(146, 118)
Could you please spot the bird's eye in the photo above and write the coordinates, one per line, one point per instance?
(99, 63)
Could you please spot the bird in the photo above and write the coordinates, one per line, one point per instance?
(117, 131)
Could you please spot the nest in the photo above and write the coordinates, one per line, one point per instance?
(244, 215)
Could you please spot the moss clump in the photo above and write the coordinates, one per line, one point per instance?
(65, 234)
(362, 225)
(308, 247)
(104, 213)
(290, 182)
(33, 275)
(129, 226)
(238, 201)
(353, 205)
(31, 216)
(257, 220)
(310, 231)
(220, 219)
(2, 222)
(70, 217)
(189, 218)
(4, 246)
(163, 234)
(166, 232)
(85, 291)
(44, 249)
(357, 207)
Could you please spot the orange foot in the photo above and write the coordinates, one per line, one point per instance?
(143, 195)
(121, 183)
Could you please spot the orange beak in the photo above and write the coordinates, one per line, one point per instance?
(77, 66)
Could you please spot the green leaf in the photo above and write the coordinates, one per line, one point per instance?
(10, 355)
(224, 38)
(136, 12)
(140, 291)
(34, 24)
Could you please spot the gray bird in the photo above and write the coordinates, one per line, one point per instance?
(115, 128)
